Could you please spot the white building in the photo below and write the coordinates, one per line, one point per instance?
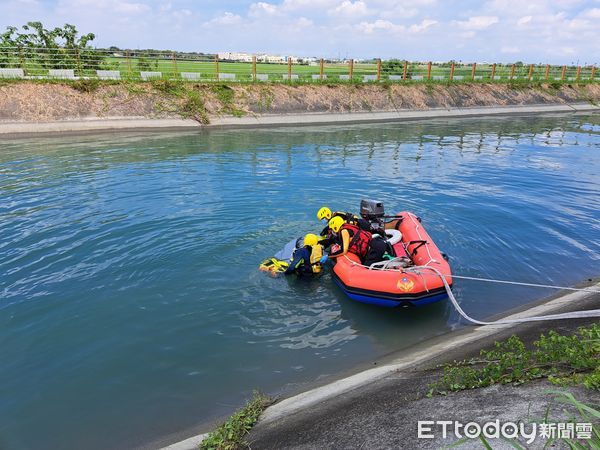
(235, 56)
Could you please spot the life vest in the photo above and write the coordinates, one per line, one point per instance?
(316, 254)
(359, 240)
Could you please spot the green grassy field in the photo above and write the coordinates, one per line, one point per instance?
(243, 71)
(130, 68)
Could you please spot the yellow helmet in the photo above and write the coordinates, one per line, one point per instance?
(311, 239)
(324, 213)
(335, 223)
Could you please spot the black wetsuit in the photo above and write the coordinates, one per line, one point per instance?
(300, 264)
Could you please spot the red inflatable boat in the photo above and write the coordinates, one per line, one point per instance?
(400, 281)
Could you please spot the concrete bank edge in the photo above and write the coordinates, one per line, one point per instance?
(271, 120)
(304, 400)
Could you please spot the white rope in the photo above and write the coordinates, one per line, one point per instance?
(518, 283)
(569, 315)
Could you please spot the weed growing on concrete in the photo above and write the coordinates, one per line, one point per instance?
(556, 85)
(579, 413)
(169, 87)
(230, 434)
(265, 100)
(429, 88)
(226, 96)
(193, 107)
(564, 360)
(86, 86)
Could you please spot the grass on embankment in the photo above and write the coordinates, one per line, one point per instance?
(52, 100)
(230, 434)
(563, 360)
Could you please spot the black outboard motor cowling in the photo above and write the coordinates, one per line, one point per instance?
(371, 210)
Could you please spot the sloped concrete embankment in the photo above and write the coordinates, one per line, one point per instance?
(54, 106)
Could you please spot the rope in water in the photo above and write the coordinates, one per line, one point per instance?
(519, 283)
(464, 315)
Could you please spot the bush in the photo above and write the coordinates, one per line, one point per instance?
(562, 359)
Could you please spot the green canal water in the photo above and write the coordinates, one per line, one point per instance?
(131, 306)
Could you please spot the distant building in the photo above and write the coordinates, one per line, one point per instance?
(265, 58)
(235, 56)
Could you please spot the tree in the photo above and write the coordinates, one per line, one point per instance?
(59, 48)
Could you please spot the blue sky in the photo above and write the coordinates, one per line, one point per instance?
(538, 31)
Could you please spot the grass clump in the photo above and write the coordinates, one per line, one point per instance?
(226, 95)
(193, 107)
(86, 85)
(556, 85)
(230, 434)
(564, 360)
(169, 87)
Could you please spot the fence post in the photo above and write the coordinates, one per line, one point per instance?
(253, 67)
(351, 71)
(578, 73)
(405, 70)
(174, 57)
(128, 56)
(493, 72)
(217, 65)
(452, 71)
(429, 70)
(79, 63)
(547, 72)
(562, 75)
(530, 72)
(512, 72)
(289, 68)
(593, 73)
(473, 71)
(379, 69)
(22, 60)
(321, 69)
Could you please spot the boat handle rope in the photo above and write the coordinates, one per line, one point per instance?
(464, 315)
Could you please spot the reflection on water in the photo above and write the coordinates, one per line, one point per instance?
(129, 261)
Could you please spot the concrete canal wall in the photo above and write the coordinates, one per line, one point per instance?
(29, 107)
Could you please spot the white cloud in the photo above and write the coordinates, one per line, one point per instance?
(307, 5)
(593, 13)
(477, 22)
(263, 9)
(380, 25)
(225, 19)
(524, 20)
(303, 22)
(349, 9)
(425, 23)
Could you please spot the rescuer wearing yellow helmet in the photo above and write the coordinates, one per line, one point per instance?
(306, 259)
(325, 214)
(349, 237)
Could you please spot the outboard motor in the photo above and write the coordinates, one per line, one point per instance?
(373, 212)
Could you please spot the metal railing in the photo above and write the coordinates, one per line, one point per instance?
(37, 63)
